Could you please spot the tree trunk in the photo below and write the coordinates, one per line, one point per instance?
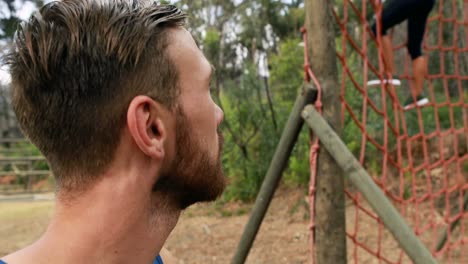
(330, 230)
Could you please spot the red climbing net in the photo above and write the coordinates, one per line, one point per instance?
(418, 157)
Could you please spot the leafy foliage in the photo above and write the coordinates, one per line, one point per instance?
(254, 46)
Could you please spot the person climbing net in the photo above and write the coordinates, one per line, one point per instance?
(394, 12)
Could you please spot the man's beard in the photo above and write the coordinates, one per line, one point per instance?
(193, 176)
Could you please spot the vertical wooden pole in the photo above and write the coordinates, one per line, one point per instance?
(330, 223)
(275, 171)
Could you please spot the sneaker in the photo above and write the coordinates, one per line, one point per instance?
(393, 81)
(410, 103)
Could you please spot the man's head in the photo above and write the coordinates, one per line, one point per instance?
(88, 75)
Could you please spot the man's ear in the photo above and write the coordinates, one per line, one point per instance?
(146, 126)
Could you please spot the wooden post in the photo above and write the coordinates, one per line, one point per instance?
(407, 239)
(444, 235)
(330, 222)
(273, 176)
(29, 179)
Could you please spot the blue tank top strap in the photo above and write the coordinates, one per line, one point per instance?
(158, 260)
(2, 262)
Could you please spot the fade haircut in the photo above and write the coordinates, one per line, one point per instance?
(75, 67)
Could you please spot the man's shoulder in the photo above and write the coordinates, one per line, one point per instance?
(158, 260)
(19, 256)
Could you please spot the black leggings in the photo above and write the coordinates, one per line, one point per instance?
(416, 11)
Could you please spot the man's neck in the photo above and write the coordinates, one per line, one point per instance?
(104, 225)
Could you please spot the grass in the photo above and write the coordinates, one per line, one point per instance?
(21, 223)
(11, 211)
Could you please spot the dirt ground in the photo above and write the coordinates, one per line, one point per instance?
(209, 233)
(206, 233)
(283, 238)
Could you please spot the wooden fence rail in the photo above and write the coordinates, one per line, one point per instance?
(13, 140)
(26, 173)
(4, 160)
(21, 169)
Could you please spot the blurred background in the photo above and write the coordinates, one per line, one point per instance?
(255, 46)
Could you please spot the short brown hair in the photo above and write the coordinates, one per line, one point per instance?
(76, 65)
